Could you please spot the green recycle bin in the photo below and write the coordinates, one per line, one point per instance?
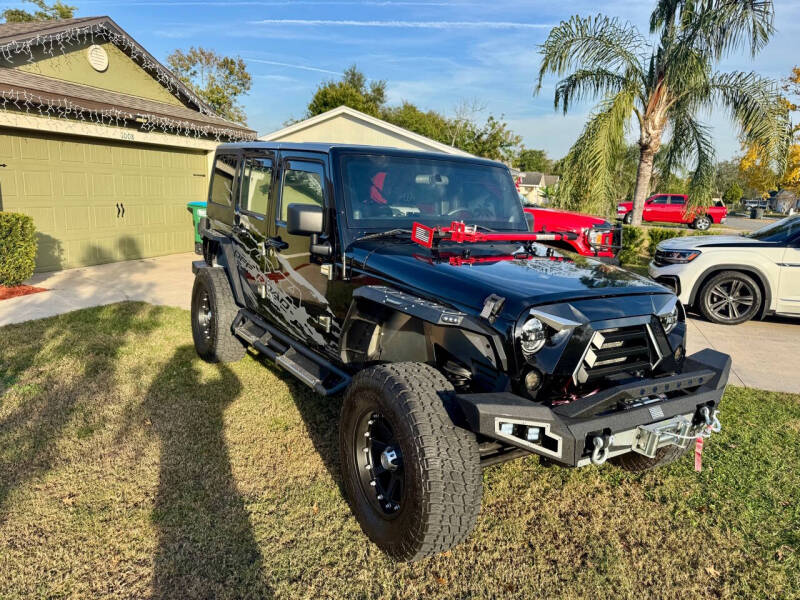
(198, 210)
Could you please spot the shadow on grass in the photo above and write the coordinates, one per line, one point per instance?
(206, 547)
(83, 344)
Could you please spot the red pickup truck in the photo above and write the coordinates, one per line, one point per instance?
(671, 208)
(596, 237)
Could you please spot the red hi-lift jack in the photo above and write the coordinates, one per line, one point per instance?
(458, 232)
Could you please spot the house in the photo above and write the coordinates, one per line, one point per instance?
(345, 125)
(532, 186)
(100, 143)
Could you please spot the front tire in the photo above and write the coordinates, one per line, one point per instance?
(628, 218)
(730, 298)
(412, 477)
(636, 463)
(213, 312)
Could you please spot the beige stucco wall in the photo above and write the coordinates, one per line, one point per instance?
(344, 129)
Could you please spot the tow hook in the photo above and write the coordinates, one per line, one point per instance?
(711, 422)
(601, 444)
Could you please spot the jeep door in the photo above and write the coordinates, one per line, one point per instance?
(251, 227)
(299, 283)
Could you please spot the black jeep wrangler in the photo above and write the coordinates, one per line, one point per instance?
(413, 282)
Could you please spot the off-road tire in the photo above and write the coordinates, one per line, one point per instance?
(213, 339)
(628, 218)
(702, 223)
(442, 481)
(636, 463)
(705, 299)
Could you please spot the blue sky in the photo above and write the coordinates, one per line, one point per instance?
(432, 53)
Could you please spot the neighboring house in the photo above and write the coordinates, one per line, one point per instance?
(532, 185)
(100, 143)
(345, 125)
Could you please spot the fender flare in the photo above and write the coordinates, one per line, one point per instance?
(427, 311)
(225, 259)
(750, 270)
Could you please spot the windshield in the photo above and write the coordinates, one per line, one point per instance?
(389, 192)
(780, 231)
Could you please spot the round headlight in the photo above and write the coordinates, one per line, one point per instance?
(533, 336)
(670, 319)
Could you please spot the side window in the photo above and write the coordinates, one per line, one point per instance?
(256, 183)
(678, 200)
(661, 200)
(302, 184)
(223, 179)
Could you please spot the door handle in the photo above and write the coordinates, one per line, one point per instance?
(118, 209)
(277, 243)
(123, 210)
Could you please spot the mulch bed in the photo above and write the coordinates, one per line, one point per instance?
(18, 290)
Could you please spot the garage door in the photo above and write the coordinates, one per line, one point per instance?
(97, 201)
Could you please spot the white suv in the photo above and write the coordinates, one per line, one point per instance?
(731, 279)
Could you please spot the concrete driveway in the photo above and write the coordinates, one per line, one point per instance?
(164, 280)
(766, 354)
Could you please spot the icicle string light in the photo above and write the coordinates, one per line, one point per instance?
(62, 42)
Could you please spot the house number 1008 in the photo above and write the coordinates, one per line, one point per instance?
(127, 136)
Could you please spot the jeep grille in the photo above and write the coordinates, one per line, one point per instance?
(613, 351)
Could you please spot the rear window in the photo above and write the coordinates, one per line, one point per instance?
(222, 179)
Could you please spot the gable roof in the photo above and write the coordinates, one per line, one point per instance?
(15, 85)
(369, 120)
(536, 178)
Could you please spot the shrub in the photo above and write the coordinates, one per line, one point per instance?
(632, 244)
(17, 248)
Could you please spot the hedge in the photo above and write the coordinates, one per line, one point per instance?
(17, 248)
(643, 241)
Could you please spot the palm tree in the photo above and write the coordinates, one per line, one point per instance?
(664, 84)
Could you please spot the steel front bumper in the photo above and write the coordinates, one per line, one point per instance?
(640, 416)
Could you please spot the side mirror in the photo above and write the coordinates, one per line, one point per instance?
(303, 219)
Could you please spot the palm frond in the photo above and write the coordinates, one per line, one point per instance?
(591, 43)
(586, 82)
(690, 141)
(755, 106)
(587, 181)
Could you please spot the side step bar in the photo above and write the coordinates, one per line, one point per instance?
(308, 366)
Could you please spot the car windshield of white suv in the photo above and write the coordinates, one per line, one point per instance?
(780, 231)
(391, 192)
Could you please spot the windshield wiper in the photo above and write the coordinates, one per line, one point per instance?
(380, 234)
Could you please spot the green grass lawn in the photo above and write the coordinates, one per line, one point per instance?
(131, 469)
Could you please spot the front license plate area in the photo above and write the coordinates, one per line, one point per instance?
(676, 431)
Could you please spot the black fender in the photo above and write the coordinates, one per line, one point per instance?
(388, 325)
(224, 259)
(759, 276)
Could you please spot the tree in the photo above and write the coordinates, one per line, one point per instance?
(430, 123)
(529, 159)
(756, 172)
(219, 80)
(58, 10)
(733, 194)
(351, 90)
(662, 89)
(726, 173)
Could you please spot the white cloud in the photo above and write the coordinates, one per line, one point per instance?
(291, 65)
(405, 24)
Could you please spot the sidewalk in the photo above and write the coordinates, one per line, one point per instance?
(162, 280)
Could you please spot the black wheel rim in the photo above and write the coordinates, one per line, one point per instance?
(205, 317)
(731, 299)
(380, 464)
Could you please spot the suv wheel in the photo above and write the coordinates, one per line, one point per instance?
(412, 477)
(702, 223)
(730, 298)
(628, 218)
(213, 312)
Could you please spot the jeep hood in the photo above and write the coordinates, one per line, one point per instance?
(522, 282)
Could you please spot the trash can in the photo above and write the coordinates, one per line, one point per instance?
(756, 212)
(198, 210)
